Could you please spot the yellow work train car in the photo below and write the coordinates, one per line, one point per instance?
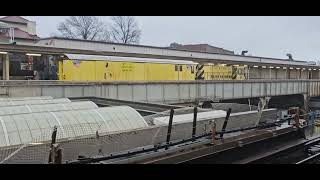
(239, 72)
(217, 72)
(224, 72)
(110, 68)
(113, 68)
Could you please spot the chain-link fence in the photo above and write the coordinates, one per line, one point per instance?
(106, 143)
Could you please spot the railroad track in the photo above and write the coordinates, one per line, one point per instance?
(314, 159)
(313, 151)
(307, 152)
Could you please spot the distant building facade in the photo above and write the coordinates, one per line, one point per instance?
(17, 29)
(206, 48)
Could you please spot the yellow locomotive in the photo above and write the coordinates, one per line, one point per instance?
(112, 68)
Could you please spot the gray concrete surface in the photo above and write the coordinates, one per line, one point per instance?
(162, 91)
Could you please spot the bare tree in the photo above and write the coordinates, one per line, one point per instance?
(84, 27)
(125, 30)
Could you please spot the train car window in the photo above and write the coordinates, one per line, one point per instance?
(192, 69)
(176, 67)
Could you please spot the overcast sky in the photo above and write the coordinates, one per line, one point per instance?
(261, 36)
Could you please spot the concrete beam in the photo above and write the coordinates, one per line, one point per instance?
(164, 91)
(306, 102)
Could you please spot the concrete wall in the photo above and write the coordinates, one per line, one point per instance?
(162, 92)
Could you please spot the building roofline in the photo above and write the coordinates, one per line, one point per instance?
(13, 22)
(201, 44)
(3, 19)
(32, 37)
(164, 48)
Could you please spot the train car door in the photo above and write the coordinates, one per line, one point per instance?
(109, 67)
(189, 72)
(66, 70)
(178, 72)
(106, 75)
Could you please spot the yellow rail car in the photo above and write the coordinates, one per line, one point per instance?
(216, 72)
(239, 72)
(112, 68)
(109, 68)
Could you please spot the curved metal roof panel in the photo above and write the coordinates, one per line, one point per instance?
(34, 108)
(37, 127)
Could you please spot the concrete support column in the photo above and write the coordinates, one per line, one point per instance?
(286, 73)
(270, 73)
(248, 72)
(300, 74)
(263, 104)
(260, 72)
(306, 100)
(5, 67)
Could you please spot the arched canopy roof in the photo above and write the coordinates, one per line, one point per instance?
(33, 108)
(37, 127)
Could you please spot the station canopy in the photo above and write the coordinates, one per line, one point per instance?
(82, 57)
(37, 127)
(37, 101)
(33, 108)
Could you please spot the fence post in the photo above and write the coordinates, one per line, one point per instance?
(213, 131)
(169, 128)
(55, 155)
(225, 122)
(194, 125)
